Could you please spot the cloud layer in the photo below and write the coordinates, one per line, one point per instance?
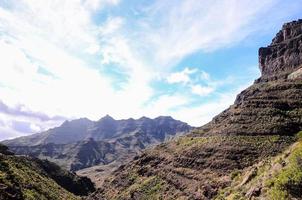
(68, 59)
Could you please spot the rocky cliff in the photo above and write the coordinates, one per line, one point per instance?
(205, 164)
(284, 55)
(272, 105)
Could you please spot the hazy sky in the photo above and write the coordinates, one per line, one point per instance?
(65, 59)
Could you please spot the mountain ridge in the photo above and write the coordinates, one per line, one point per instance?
(101, 145)
(104, 129)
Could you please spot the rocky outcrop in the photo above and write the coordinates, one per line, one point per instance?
(260, 124)
(272, 105)
(284, 54)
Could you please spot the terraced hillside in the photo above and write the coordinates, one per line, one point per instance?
(208, 163)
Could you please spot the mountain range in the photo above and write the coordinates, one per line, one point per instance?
(107, 143)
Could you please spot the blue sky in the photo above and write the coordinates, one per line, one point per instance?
(65, 59)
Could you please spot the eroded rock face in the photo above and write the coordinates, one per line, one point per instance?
(284, 54)
(273, 104)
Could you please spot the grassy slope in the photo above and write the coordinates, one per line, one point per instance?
(20, 178)
(278, 177)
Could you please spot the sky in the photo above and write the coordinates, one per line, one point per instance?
(67, 59)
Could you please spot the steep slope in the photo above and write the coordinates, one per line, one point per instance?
(29, 178)
(279, 177)
(262, 123)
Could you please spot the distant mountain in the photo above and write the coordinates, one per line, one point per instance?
(82, 143)
(31, 178)
(106, 129)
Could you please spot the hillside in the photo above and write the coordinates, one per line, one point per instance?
(278, 177)
(261, 124)
(30, 178)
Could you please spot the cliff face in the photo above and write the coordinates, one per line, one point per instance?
(260, 124)
(272, 105)
(284, 55)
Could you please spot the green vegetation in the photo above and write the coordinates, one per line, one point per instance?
(299, 135)
(287, 182)
(252, 141)
(189, 141)
(147, 188)
(235, 174)
(278, 177)
(24, 178)
(151, 187)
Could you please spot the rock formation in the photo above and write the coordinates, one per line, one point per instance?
(272, 105)
(284, 55)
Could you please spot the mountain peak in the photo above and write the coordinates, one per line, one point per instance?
(164, 117)
(107, 117)
(284, 55)
(144, 118)
(77, 121)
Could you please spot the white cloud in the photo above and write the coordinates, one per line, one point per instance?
(165, 105)
(56, 41)
(97, 4)
(181, 77)
(175, 29)
(61, 37)
(202, 90)
(204, 112)
(15, 126)
(204, 76)
(190, 78)
(111, 26)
